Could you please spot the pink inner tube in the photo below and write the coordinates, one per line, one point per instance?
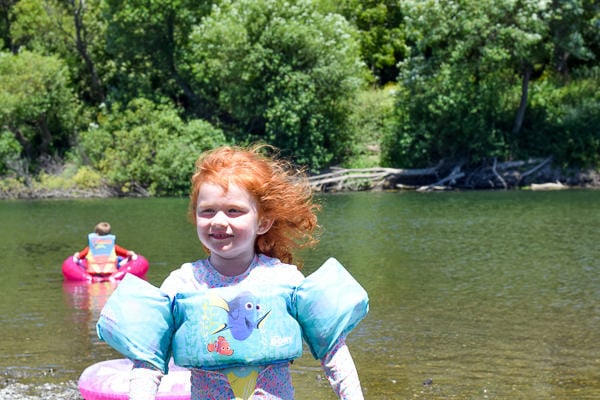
(109, 380)
(74, 271)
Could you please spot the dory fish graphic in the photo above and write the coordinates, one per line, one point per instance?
(243, 315)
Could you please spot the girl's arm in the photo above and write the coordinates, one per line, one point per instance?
(341, 372)
(143, 381)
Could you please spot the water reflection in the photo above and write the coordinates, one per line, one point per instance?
(86, 300)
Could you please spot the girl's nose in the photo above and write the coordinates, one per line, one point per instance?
(220, 219)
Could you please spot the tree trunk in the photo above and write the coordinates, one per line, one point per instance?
(527, 70)
(82, 49)
(46, 135)
(188, 92)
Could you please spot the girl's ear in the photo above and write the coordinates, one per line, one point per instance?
(264, 225)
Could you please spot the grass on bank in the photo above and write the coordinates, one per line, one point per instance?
(72, 181)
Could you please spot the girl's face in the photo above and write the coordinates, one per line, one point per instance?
(227, 225)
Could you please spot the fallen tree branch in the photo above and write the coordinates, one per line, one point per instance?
(498, 175)
(355, 179)
(488, 175)
(536, 168)
(441, 184)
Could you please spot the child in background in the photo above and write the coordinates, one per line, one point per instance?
(102, 253)
(250, 212)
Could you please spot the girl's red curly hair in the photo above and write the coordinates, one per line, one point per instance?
(282, 194)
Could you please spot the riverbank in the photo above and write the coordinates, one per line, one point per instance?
(535, 174)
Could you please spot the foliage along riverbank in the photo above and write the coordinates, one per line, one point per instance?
(535, 174)
(131, 92)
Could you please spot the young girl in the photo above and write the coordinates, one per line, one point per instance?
(250, 212)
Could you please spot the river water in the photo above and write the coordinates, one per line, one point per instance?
(475, 295)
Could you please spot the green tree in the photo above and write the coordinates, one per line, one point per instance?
(28, 22)
(381, 37)
(466, 85)
(281, 72)
(72, 30)
(575, 27)
(147, 147)
(83, 32)
(37, 105)
(147, 40)
(7, 17)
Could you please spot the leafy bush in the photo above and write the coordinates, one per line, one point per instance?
(371, 119)
(11, 187)
(10, 151)
(147, 146)
(565, 121)
(87, 178)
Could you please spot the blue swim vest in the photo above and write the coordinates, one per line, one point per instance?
(245, 324)
(101, 257)
(235, 326)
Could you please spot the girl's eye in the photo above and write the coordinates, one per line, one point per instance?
(235, 212)
(258, 306)
(248, 306)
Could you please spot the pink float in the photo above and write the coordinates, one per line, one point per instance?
(109, 380)
(77, 270)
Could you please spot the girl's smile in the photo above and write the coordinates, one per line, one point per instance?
(220, 236)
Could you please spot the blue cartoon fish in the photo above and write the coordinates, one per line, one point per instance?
(243, 315)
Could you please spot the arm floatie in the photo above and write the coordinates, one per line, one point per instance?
(137, 322)
(235, 326)
(329, 304)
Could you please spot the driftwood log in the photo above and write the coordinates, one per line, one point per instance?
(340, 179)
(534, 173)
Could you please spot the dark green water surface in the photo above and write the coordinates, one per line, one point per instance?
(478, 295)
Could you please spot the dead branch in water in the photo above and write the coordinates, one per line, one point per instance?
(455, 175)
(444, 176)
(341, 179)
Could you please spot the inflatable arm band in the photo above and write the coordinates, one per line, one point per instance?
(329, 304)
(137, 322)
